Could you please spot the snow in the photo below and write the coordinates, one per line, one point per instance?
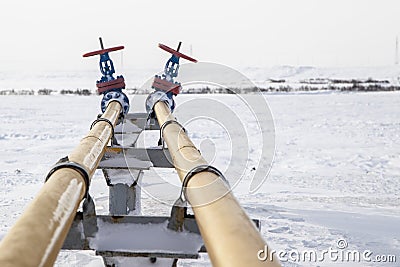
(295, 73)
(336, 170)
(130, 162)
(134, 77)
(144, 238)
(58, 80)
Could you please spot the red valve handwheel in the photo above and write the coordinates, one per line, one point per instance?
(102, 51)
(176, 53)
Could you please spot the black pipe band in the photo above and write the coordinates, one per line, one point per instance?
(65, 163)
(105, 120)
(164, 125)
(199, 169)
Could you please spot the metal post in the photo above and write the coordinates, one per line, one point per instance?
(38, 235)
(229, 235)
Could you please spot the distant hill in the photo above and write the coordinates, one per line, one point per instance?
(277, 78)
(264, 77)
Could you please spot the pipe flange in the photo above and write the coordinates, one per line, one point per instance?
(118, 96)
(66, 163)
(158, 96)
(199, 169)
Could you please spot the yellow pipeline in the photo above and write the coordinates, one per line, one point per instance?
(38, 235)
(229, 235)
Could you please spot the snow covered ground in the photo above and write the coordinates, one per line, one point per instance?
(335, 176)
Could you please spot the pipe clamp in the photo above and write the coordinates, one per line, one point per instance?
(66, 163)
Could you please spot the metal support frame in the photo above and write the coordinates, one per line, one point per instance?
(123, 169)
(124, 201)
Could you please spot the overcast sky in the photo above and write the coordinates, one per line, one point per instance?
(49, 34)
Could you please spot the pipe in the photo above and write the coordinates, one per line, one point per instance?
(229, 235)
(39, 233)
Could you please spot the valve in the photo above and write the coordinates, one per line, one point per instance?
(110, 87)
(165, 83)
(172, 66)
